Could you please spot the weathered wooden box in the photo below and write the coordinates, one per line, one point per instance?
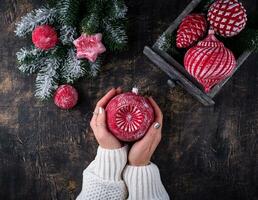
(176, 71)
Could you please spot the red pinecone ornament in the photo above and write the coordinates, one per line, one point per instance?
(209, 61)
(227, 17)
(66, 97)
(44, 37)
(129, 116)
(192, 28)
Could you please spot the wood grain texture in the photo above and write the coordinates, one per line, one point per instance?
(205, 153)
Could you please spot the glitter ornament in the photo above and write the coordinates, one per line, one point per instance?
(66, 97)
(209, 62)
(227, 17)
(129, 116)
(192, 28)
(44, 37)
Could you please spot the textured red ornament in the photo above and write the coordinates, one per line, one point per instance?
(129, 116)
(192, 28)
(227, 17)
(210, 61)
(66, 97)
(44, 37)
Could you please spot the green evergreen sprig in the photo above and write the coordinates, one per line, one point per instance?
(70, 18)
(108, 18)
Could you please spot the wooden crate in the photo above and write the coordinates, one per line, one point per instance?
(177, 73)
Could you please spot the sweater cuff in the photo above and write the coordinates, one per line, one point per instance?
(109, 163)
(143, 182)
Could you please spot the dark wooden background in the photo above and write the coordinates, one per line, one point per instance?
(206, 152)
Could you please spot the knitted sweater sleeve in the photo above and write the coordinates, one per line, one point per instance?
(102, 178)
(144, 183)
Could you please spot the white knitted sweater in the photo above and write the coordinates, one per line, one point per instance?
(109, 178)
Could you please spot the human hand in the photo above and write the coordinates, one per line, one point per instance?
(98, 122)
(141, 151)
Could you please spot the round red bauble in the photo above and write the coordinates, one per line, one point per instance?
(44, 37)
(129, 116)
(227, 17)
(66, 97)
(209, 62)
(192, 28)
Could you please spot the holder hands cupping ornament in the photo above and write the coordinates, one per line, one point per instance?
(129, 116)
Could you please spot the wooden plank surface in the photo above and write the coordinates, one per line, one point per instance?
(205, 153)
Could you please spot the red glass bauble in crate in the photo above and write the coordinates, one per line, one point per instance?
(227, 17)
(129, 116)
(192, 28)
(209, 62)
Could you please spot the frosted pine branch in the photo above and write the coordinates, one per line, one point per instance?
(72, 69)
(119, 9)
(115, 35)
(46, 81)
(36, 17)
(28, 68)
(25, 55)
(68, 11)
(67, 34)
(95, 67)
(164, 42)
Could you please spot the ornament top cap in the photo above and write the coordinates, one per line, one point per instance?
(135, 90)
(211, 40)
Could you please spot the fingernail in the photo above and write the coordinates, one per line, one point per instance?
(100, 110)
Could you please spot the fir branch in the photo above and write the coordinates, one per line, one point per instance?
(30, 61)
(249, 40)
(68, 12)
(30, 68)
(118, 9)
(164, 42)
(46, 81)
(36, 17)
(95, 66)
(115, 36)
(90, 24)
(72, 69)
(29, 55)
(67, 35)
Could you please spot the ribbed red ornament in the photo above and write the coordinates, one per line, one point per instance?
(227, 17)
(129, 116)
(192, 28)
(209, 62)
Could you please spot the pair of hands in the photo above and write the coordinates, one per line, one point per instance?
(142, 150)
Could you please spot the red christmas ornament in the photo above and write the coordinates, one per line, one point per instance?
(89, 46)
(129, 116)
(44, 37)
(192, 28)
(227, 17)
(209, 62)
(66, 97)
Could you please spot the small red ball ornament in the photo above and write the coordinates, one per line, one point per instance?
(227, 17)
(210, 61)
(44, 37)
(66, 97)
(129, 116)
(192, 28)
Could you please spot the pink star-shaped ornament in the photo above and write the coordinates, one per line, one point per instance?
(89, 46)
